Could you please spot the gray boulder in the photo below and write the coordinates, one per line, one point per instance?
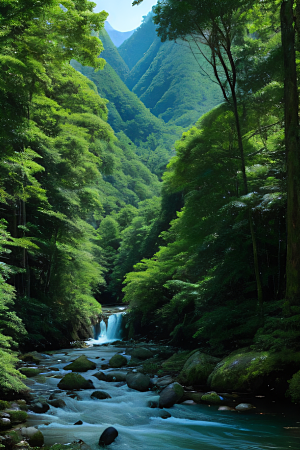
(244, 407)
(57, 403)
(108, 436)
(111, 376)
(34, 436)
(39, 406)
(138, 381)
(170, 395)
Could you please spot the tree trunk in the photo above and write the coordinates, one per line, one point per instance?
(292, 154)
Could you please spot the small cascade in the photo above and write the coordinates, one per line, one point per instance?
(113, 331)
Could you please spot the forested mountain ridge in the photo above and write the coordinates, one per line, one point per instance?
(117, 37)
(167, 76)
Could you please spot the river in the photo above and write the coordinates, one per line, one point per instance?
(200, 427)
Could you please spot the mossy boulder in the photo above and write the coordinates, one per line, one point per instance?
(141, 353)
(138, 381)
(4, 405)
(17, 416)
(29, 371)
(117, 361)
(57, 403)
(197, 368)
(195, 396)
(74, 381)
(34, 436)
(212, 398)
(294, 388)
(81, 364)
(170, 395)
(176, 362)
(248, 371)
(30, 357)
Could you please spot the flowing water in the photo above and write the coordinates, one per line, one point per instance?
(140, 427)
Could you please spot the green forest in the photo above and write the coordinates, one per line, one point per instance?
(163, 174)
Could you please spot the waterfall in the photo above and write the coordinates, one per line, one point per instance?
(113, 331)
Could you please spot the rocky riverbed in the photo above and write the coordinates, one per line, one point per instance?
(139, 393)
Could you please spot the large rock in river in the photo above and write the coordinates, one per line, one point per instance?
(111, 376)
(117, 361)
(197, 369)
(81, 364)
(138, 381)
(242, 371)
(141, 353)
(74, 381)
(108, 436)
(170, 395)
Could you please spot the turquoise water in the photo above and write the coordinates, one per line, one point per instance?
(191, 426)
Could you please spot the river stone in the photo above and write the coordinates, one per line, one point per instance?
(197, 369)
(212, 398)
(117, 361)
(81, 364)
(39, 406)
(195, 396)
(108, 436)
(141, 353)
(170, 395)
(31, 357)
(4, 423)
(29, 371)
(74, 381)
(34, 436)
(100, 395)
(244, 407)
(226, 408)
(111, 376)
(164, 414)
(163, 381)
(138, 381)
(243, 371)
(57, 403)
(78, 423)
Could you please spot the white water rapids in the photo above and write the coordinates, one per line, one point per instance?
(194, 427)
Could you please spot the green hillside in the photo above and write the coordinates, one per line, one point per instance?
(112, 56)
(167, 77)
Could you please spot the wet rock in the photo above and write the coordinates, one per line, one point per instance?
(226, 408)
(188, 402)
(31, 357)
(81, 364)
(4, 423)
(100, 395)
(197, 369)
(104, 366)
(212, 398)
(244, 371)
(74, 381)
(29, 371)
(141, 353)
(117, 361)
(195, 396)
(34, 436)
(111, 376)
(153, 404)
(108, 436)
(164, 414)
(74, 396)
(162, 382)
(78, 423)
(39, 406)
(57, 403)
(170, 395)
(244, 407)
(138, 381)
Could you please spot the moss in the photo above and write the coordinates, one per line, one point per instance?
(176, 362)
(197, 369)
(15, 437)
(117, 361)
(212, 398)
(81, 364)
(30, 357)
(4, 405)
(294, 389)
(17, 416)
(75, 381)
(29, 372)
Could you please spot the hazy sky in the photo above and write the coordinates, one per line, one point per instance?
(123, 16)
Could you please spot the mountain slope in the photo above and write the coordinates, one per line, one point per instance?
(167, 77)
(112, 56)
(117, 37)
